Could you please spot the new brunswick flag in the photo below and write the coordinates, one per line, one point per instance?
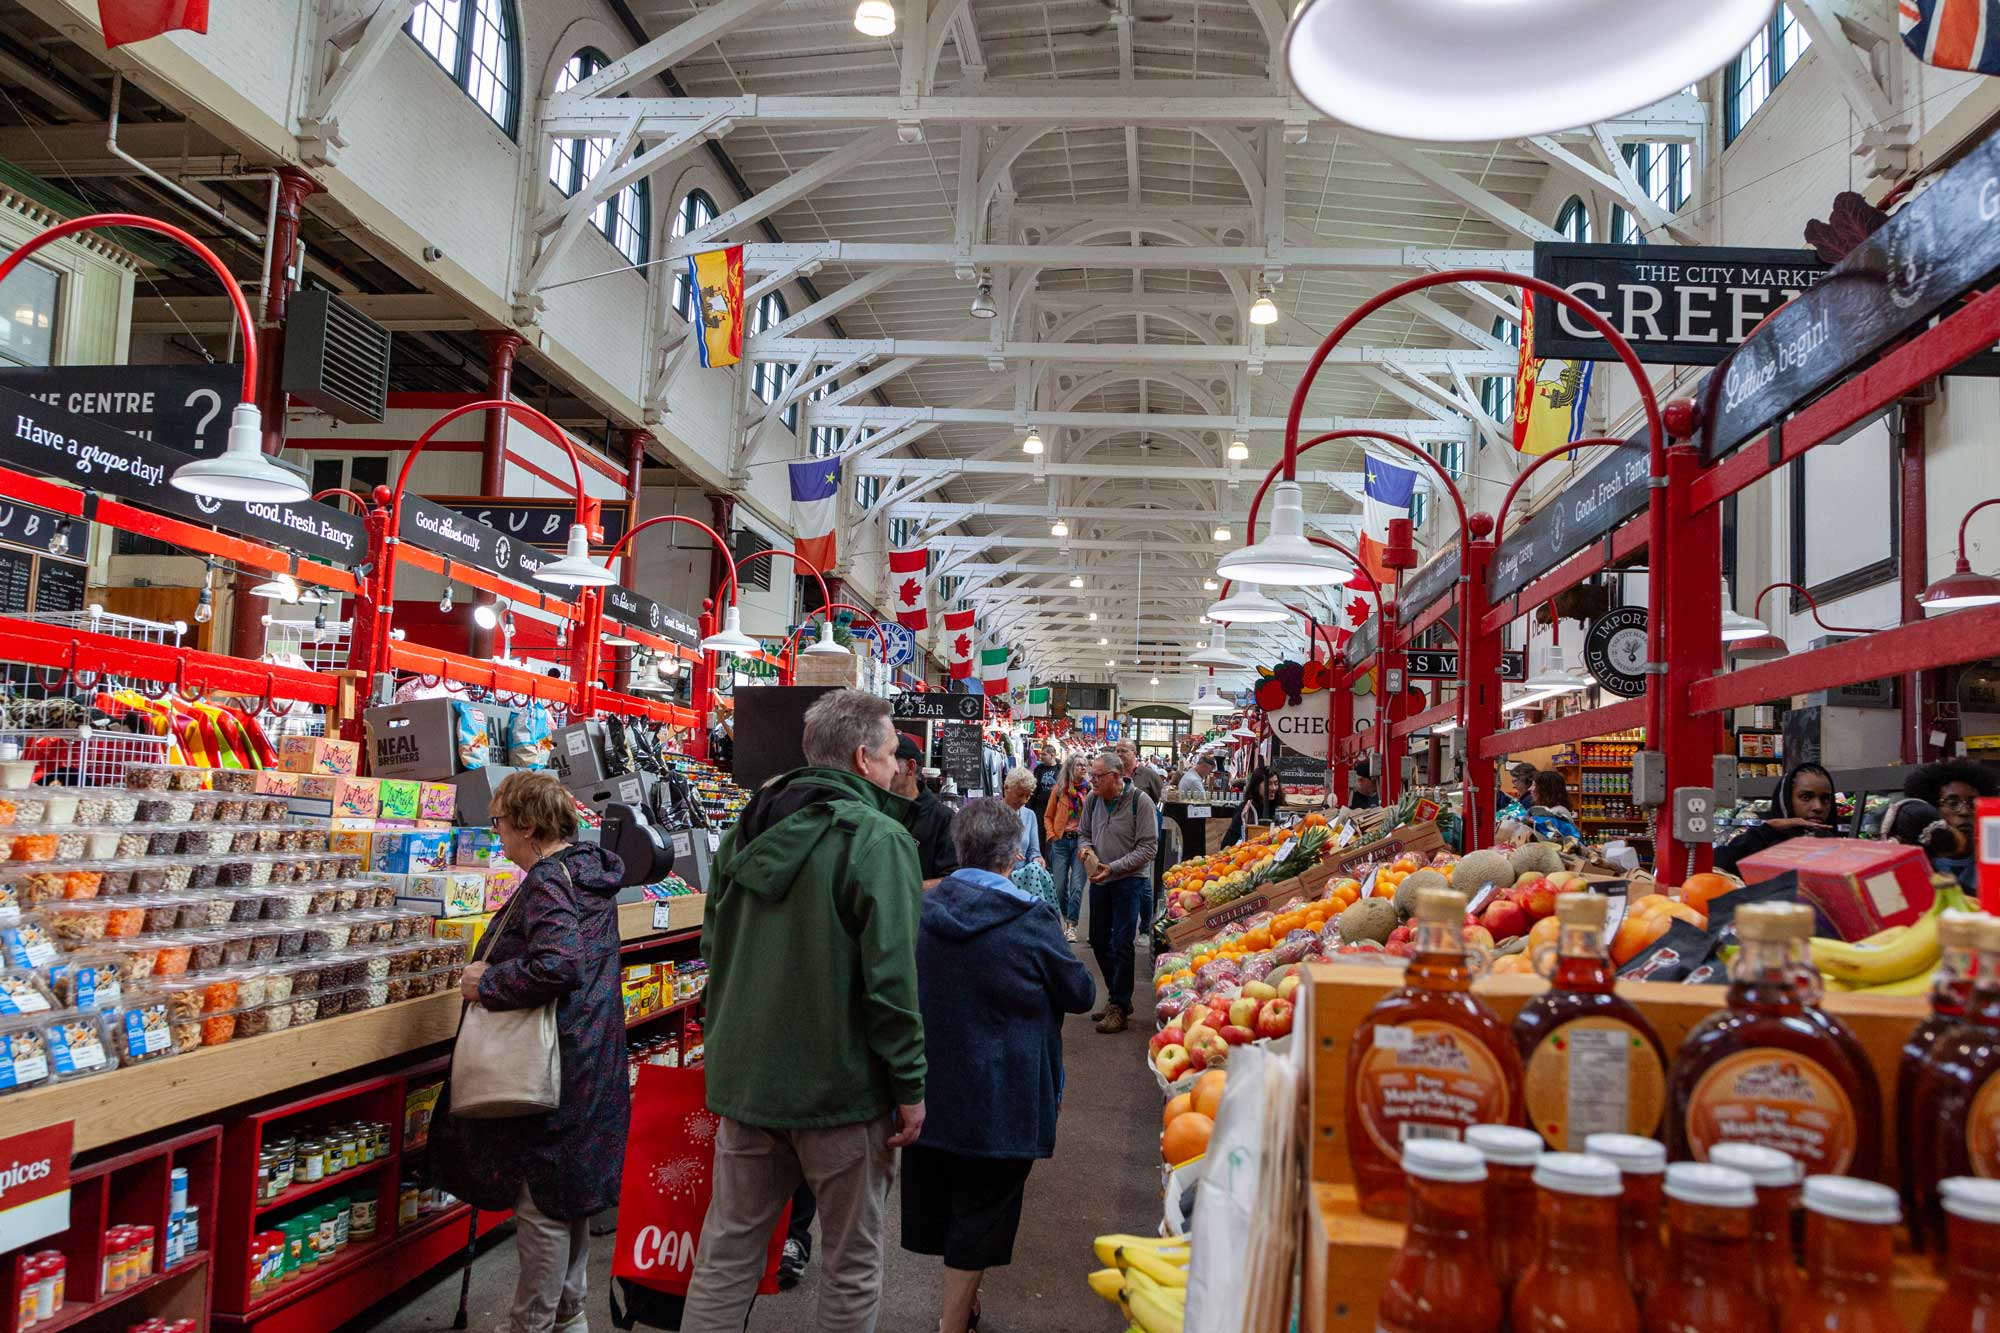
(1549, 396)
(717, 279)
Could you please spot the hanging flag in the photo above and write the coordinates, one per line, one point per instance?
(815, 497)
(1038, 701)
(717, 279)
(993, 669)
(906, 587)
(958, 642)
(135, 20)
(1386, 494)
(1549, 396)
(1952, 34)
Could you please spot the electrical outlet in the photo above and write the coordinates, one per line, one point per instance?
(1694, 814)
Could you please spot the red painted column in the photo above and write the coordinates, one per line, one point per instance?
(1339, 729)
(1479, 662)
(1691, 638)
(701, 695)
(1390, 708)
(1913, 568)
(501, 345)
(628, 571)
(369, 618)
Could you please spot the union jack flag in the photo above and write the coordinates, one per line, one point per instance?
(1952, 34)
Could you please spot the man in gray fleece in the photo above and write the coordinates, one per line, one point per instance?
(1121, 834)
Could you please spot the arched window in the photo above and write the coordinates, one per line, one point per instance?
(624, 217)
(697, 210)
(767, 378)
(1497, 394)
(1574, 221)
(1749, 79)
(478, 43)
(821, 441)
(901, 530)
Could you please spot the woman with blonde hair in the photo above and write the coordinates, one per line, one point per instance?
(1062, 825)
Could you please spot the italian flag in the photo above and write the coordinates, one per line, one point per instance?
(993, 669)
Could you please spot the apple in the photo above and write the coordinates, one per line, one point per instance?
(1277, 975)
(1570, 882)
(1243, 1012)
(1261, 990)
(1275, 1019)
(1540, 899)
(1237, 1035)
(1172, 1061)
(1478, 936)
(1194, 1016)
(1167, 1036)
(1198, 1031)
(1526, 877)
(1207, 1049)
(1175, 911)
(1288, 987)
(1192, 901)
(1505, 920)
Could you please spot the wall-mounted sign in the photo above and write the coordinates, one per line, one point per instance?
(539, 522)
(902, 641)
(1684, 305)
(1614, 651)
(936, 706)
(1361, 645)
(183, 407)
(1301, 773)
(961, 756)
(631, 608)
(1303, 726)
(1612, 491)
(34, 1178)
(1438, 578)
(447, 532)
(1442, 664)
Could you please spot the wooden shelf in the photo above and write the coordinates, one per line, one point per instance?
(324, 1183)
(679, 1006)
(75, 1314)
(635, 920)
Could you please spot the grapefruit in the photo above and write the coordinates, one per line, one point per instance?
(1207, 1092)
(1186, 1138)
(1176, 1106)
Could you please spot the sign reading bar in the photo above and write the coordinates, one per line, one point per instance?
(937, 706)
(448, 533)
(1685, 305)
(1436, 579)
(47, 440)
(185, 408)
(543, 522)
(632, 608)
(1442, 664)
(1595, 503)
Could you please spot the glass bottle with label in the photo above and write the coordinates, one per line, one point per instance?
(1970, 1302)
(1955, 1109)
(1440, 1280)
(1772, 1068)
(1642, 1166)
(1774, 1268)
(1850, 1248)
(1429, 1061)
(1707, 1288)
(1510, 1155)
(1576, 1281)
(1592, 1063)
(1951, 994)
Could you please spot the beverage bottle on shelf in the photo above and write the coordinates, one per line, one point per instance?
(1642, 1165)
(1951, 993)
(1971, 1299)
(1592, 1064)
(1440, 1281)
(1429, 1061)
(1774, 1270)
(1850, 1248)
(1707, 1288)
(1955, 1108)
(1576, 1281)
(1510, 1155)
(1772, 1067)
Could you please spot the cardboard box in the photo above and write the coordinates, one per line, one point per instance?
(419, 739)
(436, 800)
(399, 798)
(453, 893)
(411, 853)
(319, 754)
(577, 756)
(435, 825)
(315, 786)
(275, 782)
(476, 848)
(308, 808)
(1419, 839)
(633, 789)
(467, 928)
(501, 882)
(353, 841)
(475, 793)
(356, 798)
(1859, 887)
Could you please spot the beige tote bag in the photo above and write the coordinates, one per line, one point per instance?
(505, 1063)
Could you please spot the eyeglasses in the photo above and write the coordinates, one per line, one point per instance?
(1957, 802)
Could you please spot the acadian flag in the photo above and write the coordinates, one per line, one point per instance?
(1385, 494)
(1549, 396)
(1952, 34)
(906, 587)
(815, 497)
(993, 669)
(958, 642)
(717, 279)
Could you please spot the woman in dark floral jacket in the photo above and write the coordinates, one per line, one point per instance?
(557, 940)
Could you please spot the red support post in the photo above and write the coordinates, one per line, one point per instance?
(1479, 673)
(1340, 725)
(1690, 608)
(701, 694)
(363, 649)
(1912, 566)
(501, 345)
(1389, 710)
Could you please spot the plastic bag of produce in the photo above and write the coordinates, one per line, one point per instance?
(1171, 1004)
(1221, 972)
(1295, 946)
(1258, 965)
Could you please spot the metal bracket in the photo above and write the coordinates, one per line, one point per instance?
(1774, 445)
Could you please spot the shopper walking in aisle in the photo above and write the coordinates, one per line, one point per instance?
(1047, 768)
(1121, 833)
(1062, 824)
(1030, 871)
(1801, 807)
(1140, 773)
(556, 939)
(928, 818)
(1263, 798)
(1954, 786)
(815, 1051)
(996, 979)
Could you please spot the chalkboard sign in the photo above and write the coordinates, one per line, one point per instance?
(1301, 770)
(961, 756)
(59, 585)
(17, 577)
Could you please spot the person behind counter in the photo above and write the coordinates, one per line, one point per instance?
(1521, 779)
(1361, 791)
(1198, 782)
(1263, 797)
(1801, 807)
(1954, 786)
(1550, 813)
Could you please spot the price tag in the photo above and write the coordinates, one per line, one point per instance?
(683, 844)
(1199, 811)
(1390, 1038)
(663, 916)
(714, 842)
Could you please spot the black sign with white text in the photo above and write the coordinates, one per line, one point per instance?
(961, 755)
(631, 608)
(1442, 664)
(1586, 509)
(183, 407)
(1683, 305)
(542, 522)
(1436, 579)
(467, 541)
(937, 706)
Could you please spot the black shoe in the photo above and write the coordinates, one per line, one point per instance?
(792, 1265)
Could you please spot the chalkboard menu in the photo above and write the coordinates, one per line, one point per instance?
(1301, 770)
(17, 577)
(59, 585)
(961, 756)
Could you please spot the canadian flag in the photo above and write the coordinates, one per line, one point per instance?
(958, 642)
(906, 587)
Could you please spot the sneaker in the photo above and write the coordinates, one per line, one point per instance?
(791, 1265)
(1113, 1021)
(1069, 933)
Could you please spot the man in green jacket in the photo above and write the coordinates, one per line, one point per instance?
(815, 1046)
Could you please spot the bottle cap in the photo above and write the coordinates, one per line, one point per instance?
(1504, 1145)
(1582, 909)
(1767, 1167)
(1706, 1183)
(1974, 1199)
(1578, 1173)
(1446, 905)
(1774, 921)
(1442, 1159)
(1633, 1154)
(1959, 930)
(1989, 934)
(1853, 1200)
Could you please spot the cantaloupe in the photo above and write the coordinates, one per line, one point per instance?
(1539, 857)
(1475, 870)
(1406, 893)
(1369, 919)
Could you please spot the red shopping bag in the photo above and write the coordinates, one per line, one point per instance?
(663, 1197)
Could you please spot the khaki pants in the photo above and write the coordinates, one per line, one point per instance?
(756, 1170)
(549, 1294)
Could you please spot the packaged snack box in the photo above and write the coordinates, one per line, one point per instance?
(501, 881)
(400, 798)
(436, 800)
(476, 848)
(411, 853)
(1859, 887)
(357, 798)
(277, 782)
(319, 754)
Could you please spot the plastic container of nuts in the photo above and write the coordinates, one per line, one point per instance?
(76, 1044)
(24, 1054)
(233, 779)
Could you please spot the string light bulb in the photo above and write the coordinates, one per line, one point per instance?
(444, 602)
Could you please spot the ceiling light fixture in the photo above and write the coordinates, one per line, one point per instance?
(1091, 616)
(577, 569)
(1238, 451)
(243, 471)
(283, 588)
(1962, 588)
(1204, 702)
(1058, 529)
(1551, 682)
(730, 638)
(825, 646)
(1209, 585)
(485, 616)
(1032, 444)
(1076, 581)
(1284, 559)
(1217, 653)
(875, 18)
(1264, 310)
(1102, 641)
(1248, 606)
(982, 302)
(1222, 532)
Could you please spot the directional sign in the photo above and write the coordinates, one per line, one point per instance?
(1442, 664)
(183, 407)
(631, 608)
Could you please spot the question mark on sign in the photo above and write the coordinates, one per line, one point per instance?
(214, 410)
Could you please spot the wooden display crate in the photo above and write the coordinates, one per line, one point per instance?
(1420, 839)
(1347, 1253)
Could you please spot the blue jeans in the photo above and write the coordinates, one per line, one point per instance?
(1066, 869)
(1117, 906)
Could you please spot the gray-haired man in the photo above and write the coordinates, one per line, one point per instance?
(1121, 834)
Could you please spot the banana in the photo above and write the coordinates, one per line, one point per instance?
(1919, 984)
(1882, 937)
(1150, 1262)
(1107, 1282)
(1106, 1247)
(1153, 1311)
(1904, 956)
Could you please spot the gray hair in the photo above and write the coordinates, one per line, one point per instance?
(842, 722)
(1017, 777)
(1110, 759)
(987, 834)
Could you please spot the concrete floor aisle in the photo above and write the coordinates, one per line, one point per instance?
(1104, 1177)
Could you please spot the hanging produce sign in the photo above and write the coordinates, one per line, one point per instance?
(1594, 504)
(632, 608)
(541, 522)
(1297, 704)
(1442, 664)
(1614, 651)
(1684, 305)
(1436, 579)
(102, 459)
(446, 532)
(1301, 774)
(1361, 645)
(183, 407)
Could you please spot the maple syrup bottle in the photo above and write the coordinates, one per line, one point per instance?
(1576, 1281)
(1951, 993)
(1592, 1063)
(1510, 1155)
(1441, 1280)
(1429, 1061)
(1642, 1165)
(1774, 1271)
(1971, 1299)
(1850, 1247)
(1956, 1105)
(1772, 1068)
(1707, 1288)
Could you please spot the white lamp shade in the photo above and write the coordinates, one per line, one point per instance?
(242, 471)
(875, 18)
(282, 588)
(730, 638)
(1032, 444)
(1247, 606)
(1205, 702)
(577, 569)
(1285, 559)
(485, 616)
(1238, 451)
(1217, 653)
(1058, 529)
(1479, 70)
(1264, 310)
(1736, 625)
(825, 646)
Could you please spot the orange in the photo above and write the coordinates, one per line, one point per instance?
(1651, 902)
(1635, 933)
(1681, 911)
(1701, 890)
(1176, 1106)
(1186, 1138)
(1207, 1091)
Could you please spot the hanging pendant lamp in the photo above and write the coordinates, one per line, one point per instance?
(1247, 606)
(825, 646)
(1284, 559)
(730, 638)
